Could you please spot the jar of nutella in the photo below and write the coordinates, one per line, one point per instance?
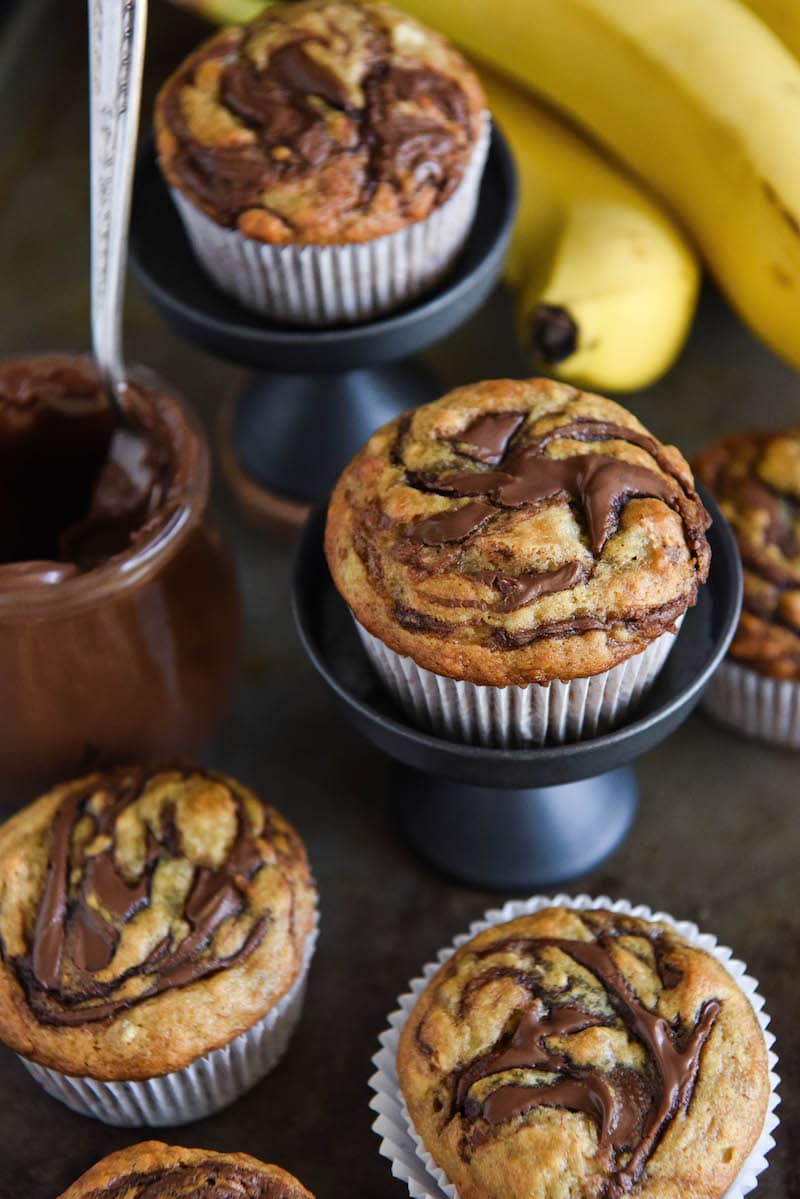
(119, 610)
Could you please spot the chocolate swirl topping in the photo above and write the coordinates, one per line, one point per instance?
(70, 973)
(596, 484)
(756, 480)
(519, 590)
(213, 1179)
(632, 1109)
(600, 484)
(319, 122)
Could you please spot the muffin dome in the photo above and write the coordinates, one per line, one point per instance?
(146, 918)
(155, 1171)
(321, 122)
(584, 1053)
(517, 532)
(756, 479)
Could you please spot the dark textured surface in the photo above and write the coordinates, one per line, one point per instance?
(717, 836)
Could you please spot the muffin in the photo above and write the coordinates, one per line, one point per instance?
(154, 1171)
(584, 1052)
(325, 159)
(155, 932)
(755, 477)
(517, 556)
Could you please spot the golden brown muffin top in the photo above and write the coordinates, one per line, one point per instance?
(584, 1053)
(756, 479)
(152, 1170)
(146, 918)
(324, 121)
(517, 532)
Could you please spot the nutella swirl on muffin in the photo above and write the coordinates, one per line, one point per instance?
(321, 122)
(146, 918)
(517, 532)
(755, 477)
(589, 1051)
(152, 1170)
(70, 973)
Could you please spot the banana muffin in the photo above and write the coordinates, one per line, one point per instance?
(517, 533)
(584, 1053)
(755, 477)
(151, 922)
(155, 1171)
(324, 123)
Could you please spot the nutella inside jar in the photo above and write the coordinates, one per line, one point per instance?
(119, 609)
(76, 487)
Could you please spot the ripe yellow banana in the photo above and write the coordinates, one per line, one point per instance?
(224, 12)
(607, 282)
(698, 97)
(783, 18)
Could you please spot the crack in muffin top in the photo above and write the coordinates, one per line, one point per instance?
(517, 532)
(124, 895)
(584, 1053)
(152, 1170)
(755, 476)
(321, 122)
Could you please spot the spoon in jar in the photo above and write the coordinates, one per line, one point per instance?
(117, 31)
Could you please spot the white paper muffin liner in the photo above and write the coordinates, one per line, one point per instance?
(331, 285)
(510, 717)
(760, 707)
(411, 1162)
(203, 1087)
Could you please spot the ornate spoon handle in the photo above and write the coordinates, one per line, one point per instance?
(117, 31)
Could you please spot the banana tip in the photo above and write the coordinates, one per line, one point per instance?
(553, 333)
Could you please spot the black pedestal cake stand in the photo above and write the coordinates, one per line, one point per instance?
(324, 391)
(516, 818)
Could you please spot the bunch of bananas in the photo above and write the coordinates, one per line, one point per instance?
(700, 100)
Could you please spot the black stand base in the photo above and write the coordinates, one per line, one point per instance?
(292, 434)
(471, 811)
(508, 840)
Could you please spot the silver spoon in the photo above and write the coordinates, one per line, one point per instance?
(117, 30)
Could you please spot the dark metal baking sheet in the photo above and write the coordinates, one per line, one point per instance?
(717, 839)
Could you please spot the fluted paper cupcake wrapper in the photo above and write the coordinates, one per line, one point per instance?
(410, 1160)
(760, 707)
(337, 284)
(511, 717)
(203, 1087)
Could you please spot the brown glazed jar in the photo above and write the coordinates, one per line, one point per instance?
(127, 652)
